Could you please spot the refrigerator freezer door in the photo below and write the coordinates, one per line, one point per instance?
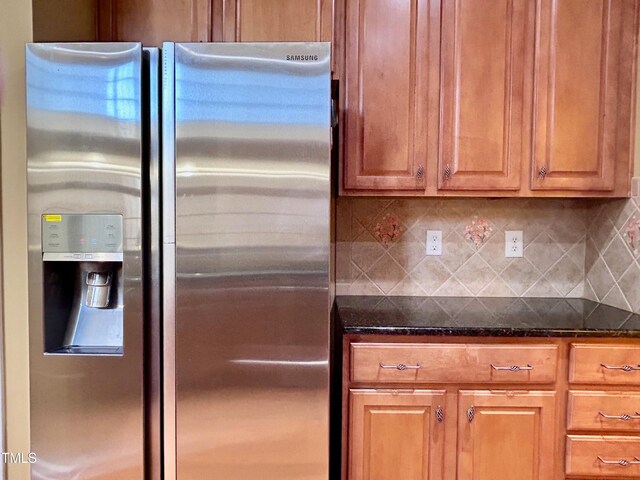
(252, 146)
(84, 145)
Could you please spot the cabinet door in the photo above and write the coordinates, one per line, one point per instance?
(486, 52)
(272, 20)
(505, 435)
(386, 69)
(396, 435)
(154, 21)
(583, 89)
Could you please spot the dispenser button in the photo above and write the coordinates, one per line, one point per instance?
(88, 255)
(77, 255)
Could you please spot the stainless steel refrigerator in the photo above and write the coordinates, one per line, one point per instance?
(179, 288)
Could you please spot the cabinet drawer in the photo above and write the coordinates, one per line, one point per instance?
(452, 363)
(591, 456)
(605, 364)
(611, 411)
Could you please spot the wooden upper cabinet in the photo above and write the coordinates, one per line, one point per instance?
(396, 435)
(272, 20)
(506, 435)
(583, 92)
(486, 53)
(386, 70)
(154, 21)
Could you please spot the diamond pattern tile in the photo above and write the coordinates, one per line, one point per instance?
(572, 248)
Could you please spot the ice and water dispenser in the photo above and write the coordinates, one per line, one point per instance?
(82, 284)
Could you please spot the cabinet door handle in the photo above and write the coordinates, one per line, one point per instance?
(439, 414)
(420, 171)
(622, 462)
(512, 368)
(624, 416)
(447, 172)
(542, 172)
(624, 368)
(471, 413)
(401, 366)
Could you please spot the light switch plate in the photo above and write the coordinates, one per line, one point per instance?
(434, 242)
(513, 243)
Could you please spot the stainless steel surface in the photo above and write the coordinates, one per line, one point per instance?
(168, 261)
(81, 234)
(84, 156)
(512, 368)
(401, 366)
(625, 368)
(153, 267)
(622, 462)
(625, 417)
(98, 289)
(252, 260)
(83, 257)
(88, 324)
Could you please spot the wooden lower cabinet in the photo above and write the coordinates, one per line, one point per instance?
(506, 435)
(396, 435)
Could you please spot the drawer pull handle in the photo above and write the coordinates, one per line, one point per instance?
(625, 368)
(401, 366)
(623, 462)
(624, 416)
(512, 368)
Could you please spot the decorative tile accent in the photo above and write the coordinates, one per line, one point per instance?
(388, 229)
(478, 231)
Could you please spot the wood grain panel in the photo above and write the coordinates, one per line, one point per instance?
(154, 21)
(277, 20)
(586, 364)
(386, 64)
(484, 129)
(510, 432)
(576, 95)
(583, 452)
(452, 363)
(396, 435)
(584, 408)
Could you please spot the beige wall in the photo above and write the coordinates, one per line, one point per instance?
(15, 30)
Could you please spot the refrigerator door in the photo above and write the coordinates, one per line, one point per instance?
(252, 240)
(84, 145)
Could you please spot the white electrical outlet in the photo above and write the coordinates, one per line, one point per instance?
(513, 243)
(434, 242)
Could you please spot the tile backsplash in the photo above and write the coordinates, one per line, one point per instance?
(573, 248)
(612, 264)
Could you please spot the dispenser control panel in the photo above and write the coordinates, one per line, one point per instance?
(82, 237)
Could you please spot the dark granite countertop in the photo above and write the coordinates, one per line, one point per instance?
(500, 317)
